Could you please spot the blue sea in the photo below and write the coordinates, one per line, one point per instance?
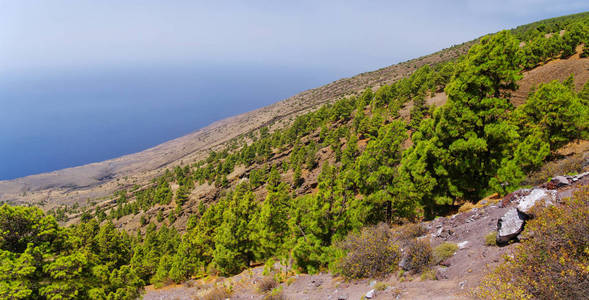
(51, 120)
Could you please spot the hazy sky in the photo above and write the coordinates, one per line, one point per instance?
(343, 36)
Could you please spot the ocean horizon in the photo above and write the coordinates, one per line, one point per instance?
(61, 119)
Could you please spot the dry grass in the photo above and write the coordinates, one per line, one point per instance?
(380, 286)
(467, 206)
(276, 296)
(429, 274)
(409, 231)
(551, 262)
(217, 293)
(444, 251)
(490, 239)
(419, 255)
(290, 280)
(569, 165)
(266, 284)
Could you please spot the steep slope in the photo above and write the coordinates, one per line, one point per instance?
(559, 69)
(345, 189)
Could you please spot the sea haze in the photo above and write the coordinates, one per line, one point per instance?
(74, 117)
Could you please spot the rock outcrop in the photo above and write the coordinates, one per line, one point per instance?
(513, 221)
(536, 197)
(510, 226)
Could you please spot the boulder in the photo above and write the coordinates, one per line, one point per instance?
(441, 273)
(509, 226)
(537, 197)
(557, 182)
(370, 294)
(512, 223)
(560, 181)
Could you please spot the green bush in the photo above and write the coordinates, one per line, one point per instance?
(370, 253)
(444, 251)
(491, 239)
(380, 286)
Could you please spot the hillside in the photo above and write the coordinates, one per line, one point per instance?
(97, 180)
(379, 186)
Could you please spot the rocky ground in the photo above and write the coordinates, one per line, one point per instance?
(454, 277)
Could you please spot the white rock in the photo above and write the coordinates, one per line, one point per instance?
(579, 176)
(370, 294)
(462, 245)
(510, 225)
(560, 181)
(439, 232)
(548, 198)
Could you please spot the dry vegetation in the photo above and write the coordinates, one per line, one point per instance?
(553, 259)
(371, 253)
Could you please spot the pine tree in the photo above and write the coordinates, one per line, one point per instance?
(270, 228)
(457, 154)
(234, 248)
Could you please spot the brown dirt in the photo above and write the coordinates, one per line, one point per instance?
(558, 69)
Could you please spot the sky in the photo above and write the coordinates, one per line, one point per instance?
(345, 36)
(84, 81)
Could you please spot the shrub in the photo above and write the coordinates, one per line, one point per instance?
(380, 286)
(429, 274)
(467, 206)
(266, 284)
(444, 251)
(370, 253)
(551, 263)
(491, 239)
(217, 293)
(269, 266)
(418, 255)
(585, 52)
(290, 280)
(276, 296)
(410, 231)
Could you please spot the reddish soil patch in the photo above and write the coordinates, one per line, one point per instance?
(559, 69)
